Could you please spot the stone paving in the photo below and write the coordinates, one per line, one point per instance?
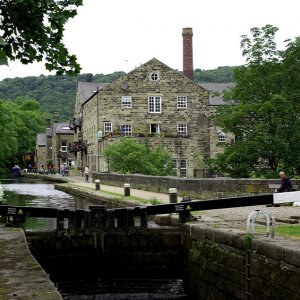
(229, 218)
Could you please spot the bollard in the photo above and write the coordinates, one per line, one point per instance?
(126, 189)
(97, 182)
(173, 195)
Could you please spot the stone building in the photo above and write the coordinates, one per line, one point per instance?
(218, 137)
(152, 101)
(54, 145)
(40, 149)
(155, 102)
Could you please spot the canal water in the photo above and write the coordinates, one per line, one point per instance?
(27, 192)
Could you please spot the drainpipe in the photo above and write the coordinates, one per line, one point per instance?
(98, 139)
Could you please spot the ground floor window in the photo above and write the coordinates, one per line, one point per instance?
(126, 129)
(154, 128)
(107, 127)
(183, 168)
(174, 168)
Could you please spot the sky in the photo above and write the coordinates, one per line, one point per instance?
(120, 35)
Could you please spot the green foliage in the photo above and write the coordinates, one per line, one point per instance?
(265, 115)
(32, 30)
(248, 241)
(289, 230)
(54, 93)
(20, 121)
(221, 74)
(128, 156)
(57, 93)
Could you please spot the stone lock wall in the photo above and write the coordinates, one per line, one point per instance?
(198, 188)
(221, 265)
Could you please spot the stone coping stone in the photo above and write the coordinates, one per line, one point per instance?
(21, 276)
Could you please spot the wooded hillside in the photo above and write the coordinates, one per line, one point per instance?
(57, 93)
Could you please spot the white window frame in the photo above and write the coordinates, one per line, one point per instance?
(175, 164)
(154, 104)
(183, 168)
(157, 128)
(126, 129)
(221, 136)
(63, 146)
(182, 129)
(181, 102)
(108, 127)
(126, 102)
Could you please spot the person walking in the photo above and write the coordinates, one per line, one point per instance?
(86, 173)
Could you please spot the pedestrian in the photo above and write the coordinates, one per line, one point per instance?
(286, 185)
(16, 171)
(86, 173)
(62, 169)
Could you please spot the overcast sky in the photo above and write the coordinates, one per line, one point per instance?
(119, 35)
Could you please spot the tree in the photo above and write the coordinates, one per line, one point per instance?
(20, 122)
(262, 109)
(128, 156)
(32, 30)
(8, 139)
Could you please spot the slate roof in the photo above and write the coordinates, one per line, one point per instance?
(216, 87)
(88, 89)
(61, 128)
(41, 139)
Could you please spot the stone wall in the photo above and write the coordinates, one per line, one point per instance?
(201, 188)
(156, 127)
(221, 265)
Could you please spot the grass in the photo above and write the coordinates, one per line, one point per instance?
(120, 196)
(287, 230)
(292, 230)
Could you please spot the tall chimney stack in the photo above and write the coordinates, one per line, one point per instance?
(55, 119)
(48, 123)
(187, 34)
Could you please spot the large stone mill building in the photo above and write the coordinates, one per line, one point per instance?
(153, 101)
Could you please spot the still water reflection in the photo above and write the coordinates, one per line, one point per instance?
(38, 193)
(24, 192)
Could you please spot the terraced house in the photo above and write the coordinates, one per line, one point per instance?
(152, 102)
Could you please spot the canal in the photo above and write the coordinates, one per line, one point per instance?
(83, 285)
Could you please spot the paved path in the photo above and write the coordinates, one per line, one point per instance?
(229, 218)
(146, 195)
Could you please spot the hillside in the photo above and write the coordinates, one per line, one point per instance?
(57, 93)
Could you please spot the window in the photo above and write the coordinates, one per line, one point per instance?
(126, 129)
(154, 76)
(107, 127)
(154, 128)
(154, 104)
(181, 102)
(63, 146)
(183, 168)
(182, 129)
(174, 168)
(126, 101)
(221, 136)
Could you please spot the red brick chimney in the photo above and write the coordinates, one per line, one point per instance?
(187, 34)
